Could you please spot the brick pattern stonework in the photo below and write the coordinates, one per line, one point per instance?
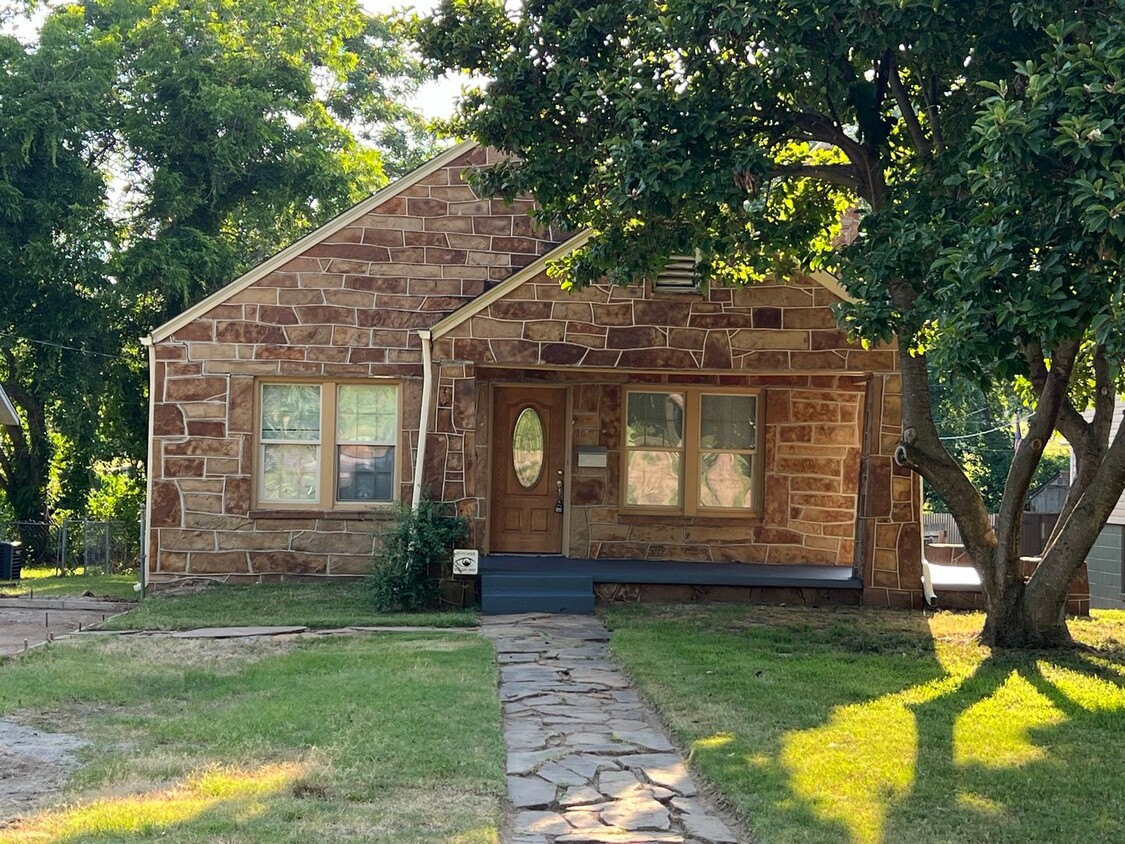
(761, 328)
(350, 307)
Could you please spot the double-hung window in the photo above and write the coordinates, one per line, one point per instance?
(692, 451)
(329, 445)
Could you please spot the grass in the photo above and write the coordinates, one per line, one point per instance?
(372, 738)
(316, 605)
(45, 583)
(877, 726)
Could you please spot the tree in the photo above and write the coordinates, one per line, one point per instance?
(978, 140)
(54, 234)
(149, 153)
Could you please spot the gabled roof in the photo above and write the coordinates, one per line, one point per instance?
(345, 219)
(8, 416)
(295, 249)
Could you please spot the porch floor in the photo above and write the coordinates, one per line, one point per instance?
(679, 573)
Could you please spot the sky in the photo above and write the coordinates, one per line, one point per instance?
(434, 99)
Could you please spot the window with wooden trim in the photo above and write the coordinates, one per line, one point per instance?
(327, 445)
(692, 451)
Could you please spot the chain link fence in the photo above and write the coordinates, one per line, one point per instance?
(76, 545)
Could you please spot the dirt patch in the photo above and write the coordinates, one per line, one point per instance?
(25, 627)
(218, 656)
(34, 765)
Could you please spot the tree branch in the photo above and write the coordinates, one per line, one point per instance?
(1088, 440)
(908, 114)
(837, 174)
(870, 183)
(1055, 382)
(923, 450)
(1083, 526)
(929, 92)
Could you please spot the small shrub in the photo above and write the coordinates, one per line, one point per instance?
(413, 556)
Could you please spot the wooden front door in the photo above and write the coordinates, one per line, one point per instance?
(528, 433)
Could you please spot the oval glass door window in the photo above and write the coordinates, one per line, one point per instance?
(528, 447)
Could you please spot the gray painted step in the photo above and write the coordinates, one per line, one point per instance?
(536, 592)
(552, 602)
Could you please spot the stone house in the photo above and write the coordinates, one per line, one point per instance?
(723, 442)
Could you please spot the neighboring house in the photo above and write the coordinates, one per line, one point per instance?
(416, 343)
(1049, 497)
(1106, 561)
(8, 418)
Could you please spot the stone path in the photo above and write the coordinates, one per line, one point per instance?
(586, 765)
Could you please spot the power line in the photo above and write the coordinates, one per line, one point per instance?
(61, 346)
(977, 434)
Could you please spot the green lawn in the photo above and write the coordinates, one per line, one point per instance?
(823, 725)
(44, 583)
(317, 605)
(366, 738)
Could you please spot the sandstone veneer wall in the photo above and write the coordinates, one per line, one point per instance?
(348, 307)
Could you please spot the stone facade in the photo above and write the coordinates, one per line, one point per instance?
(350, 305)
(347, 308)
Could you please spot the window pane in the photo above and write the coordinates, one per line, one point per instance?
(727, 421)
(726, 480)
(527, 447)
(290, 472)
(366, 414)
(655, 419)
(291, 412)
(653, 478)
(365, 473)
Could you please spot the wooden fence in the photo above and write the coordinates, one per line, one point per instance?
(1035, 528)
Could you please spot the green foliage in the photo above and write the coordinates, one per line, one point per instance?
(118, 496)
(149, 153)
(412, 557)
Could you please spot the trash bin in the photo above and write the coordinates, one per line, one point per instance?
(11, 560)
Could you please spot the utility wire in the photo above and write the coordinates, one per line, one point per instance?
(61, 346)
(977, 434)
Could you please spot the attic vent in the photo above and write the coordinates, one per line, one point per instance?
(680, 273)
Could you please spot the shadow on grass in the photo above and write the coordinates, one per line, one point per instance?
(1025, 749)
(863, 726)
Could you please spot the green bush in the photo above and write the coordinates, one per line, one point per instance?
(413, 556)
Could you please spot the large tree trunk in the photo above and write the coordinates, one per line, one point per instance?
(1019, 618)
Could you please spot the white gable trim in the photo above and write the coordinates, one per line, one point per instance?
(295, 249)
(471, 309)
(8, 417)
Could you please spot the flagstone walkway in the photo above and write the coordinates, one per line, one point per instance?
(586, 763)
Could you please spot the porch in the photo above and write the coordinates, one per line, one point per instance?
(529, 583)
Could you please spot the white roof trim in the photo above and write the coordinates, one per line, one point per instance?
(311, 239)
(8, 416)
(832, 285)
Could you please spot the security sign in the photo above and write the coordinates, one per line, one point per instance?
(465, 560)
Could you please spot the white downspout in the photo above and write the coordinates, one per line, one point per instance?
(147, 538)
(424, 415)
